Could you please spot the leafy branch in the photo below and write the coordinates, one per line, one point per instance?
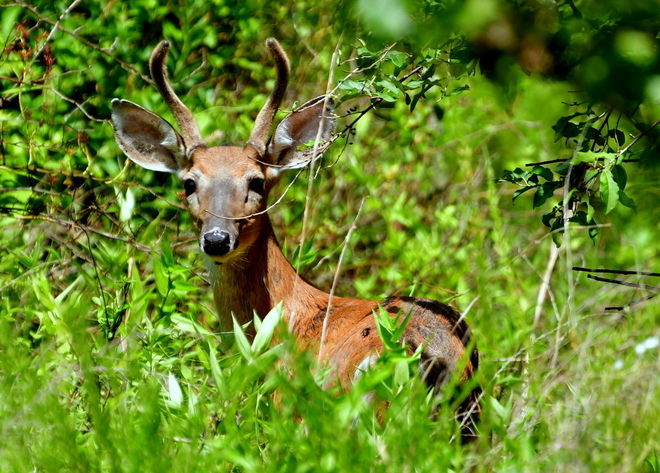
(594, 176)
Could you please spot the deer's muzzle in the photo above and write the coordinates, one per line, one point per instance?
(218, 243)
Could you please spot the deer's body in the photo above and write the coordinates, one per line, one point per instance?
(227, 189)
(264, 278)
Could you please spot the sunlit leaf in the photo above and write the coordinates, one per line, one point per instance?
(241, 341)
(609, 190)
(173, 390)
(265, 331)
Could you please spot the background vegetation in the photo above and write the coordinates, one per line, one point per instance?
(110, 356)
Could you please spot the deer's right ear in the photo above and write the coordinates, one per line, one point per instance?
(147, 139)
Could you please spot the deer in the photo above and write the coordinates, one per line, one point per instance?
(227, 189)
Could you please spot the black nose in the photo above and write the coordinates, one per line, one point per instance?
(216, 243)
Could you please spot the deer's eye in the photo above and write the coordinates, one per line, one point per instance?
(257, 185)
(189, 186)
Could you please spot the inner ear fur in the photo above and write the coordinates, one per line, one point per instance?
(300, 127)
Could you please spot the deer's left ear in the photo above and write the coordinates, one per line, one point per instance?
(299, 128)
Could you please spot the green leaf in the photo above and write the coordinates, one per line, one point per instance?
(544, 192)
(564, 128)
(590, 208)
(618, 136)
(241, 341)
(620, 176)
(609, 190)
(265, 331)
(592, 157)
(401, 372)
(557, 229)
(161, 276)
(126, 203)
(216, 373)
(401, 326)
(501, 411)
(458, 90)
(562, 168)
(167, 254)
(583, 218)
(516, 176)
(187, 325)
(521, 191)
(184, 286)
(414, 84)
(352, 85)
(547, 218)
(398, 58)
(627, 201)
(390, 92)
(544, 172)
(42, 291)
(174, 392)
(8, 22)
(386, 97)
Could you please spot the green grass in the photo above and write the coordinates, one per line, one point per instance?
(110, 355)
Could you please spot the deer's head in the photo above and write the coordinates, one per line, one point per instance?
(226, 186)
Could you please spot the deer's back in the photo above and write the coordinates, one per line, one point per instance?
(352, 344)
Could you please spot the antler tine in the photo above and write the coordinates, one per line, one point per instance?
(182, 115)
(264, 121)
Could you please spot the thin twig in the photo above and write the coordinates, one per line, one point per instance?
(624, 283)
(541, 163)
(126, 66)
(86, 175)
(632, 304)
(71, 224)
(545, 236)
(615, 271)
(545, 284)
(56, 26)
(335, 279)
(600, 129)
(521, 404)
(653, 289)
(555, 161)
(637, 138)
(312, 177)
(78, 105)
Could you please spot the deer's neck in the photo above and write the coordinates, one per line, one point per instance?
(259, 280)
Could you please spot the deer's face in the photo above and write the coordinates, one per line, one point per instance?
(226, 187)
(226, 192)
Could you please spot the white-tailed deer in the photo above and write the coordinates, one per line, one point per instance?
(227, 189)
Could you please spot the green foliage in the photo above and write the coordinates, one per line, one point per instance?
(584, 43)
(395, 354)
(110, 354)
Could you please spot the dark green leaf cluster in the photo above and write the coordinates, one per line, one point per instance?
(597, 167)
